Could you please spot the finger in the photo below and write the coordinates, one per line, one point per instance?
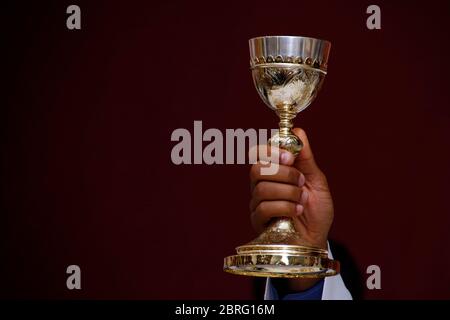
(286, 158)
(270, 191)
(285, 174)
(263, 153)
(267, 210)
(305, 161)
(267, 153)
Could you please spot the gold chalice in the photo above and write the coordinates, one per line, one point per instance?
(287, 72)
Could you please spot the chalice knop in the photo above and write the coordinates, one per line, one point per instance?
(287, 73)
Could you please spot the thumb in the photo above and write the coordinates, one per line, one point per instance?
(305, 160)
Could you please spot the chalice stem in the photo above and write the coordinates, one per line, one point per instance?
(286, 115)
(285, 225)
(285, 139)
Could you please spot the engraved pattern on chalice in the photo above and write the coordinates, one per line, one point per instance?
(294, 87)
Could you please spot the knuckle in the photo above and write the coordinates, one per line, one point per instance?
(261, 208)
(252, 215)
(250, 206)
(254, 172)
(260, 189)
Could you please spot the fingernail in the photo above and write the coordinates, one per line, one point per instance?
(304, 197)
(301, 180)
(284, 158)
(299, 209)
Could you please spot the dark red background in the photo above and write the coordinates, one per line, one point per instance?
(87, 177)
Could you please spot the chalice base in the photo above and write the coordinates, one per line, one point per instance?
(277, 253)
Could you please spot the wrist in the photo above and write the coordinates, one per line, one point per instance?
(299, 285)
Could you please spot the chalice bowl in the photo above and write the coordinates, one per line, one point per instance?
(287, 73)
